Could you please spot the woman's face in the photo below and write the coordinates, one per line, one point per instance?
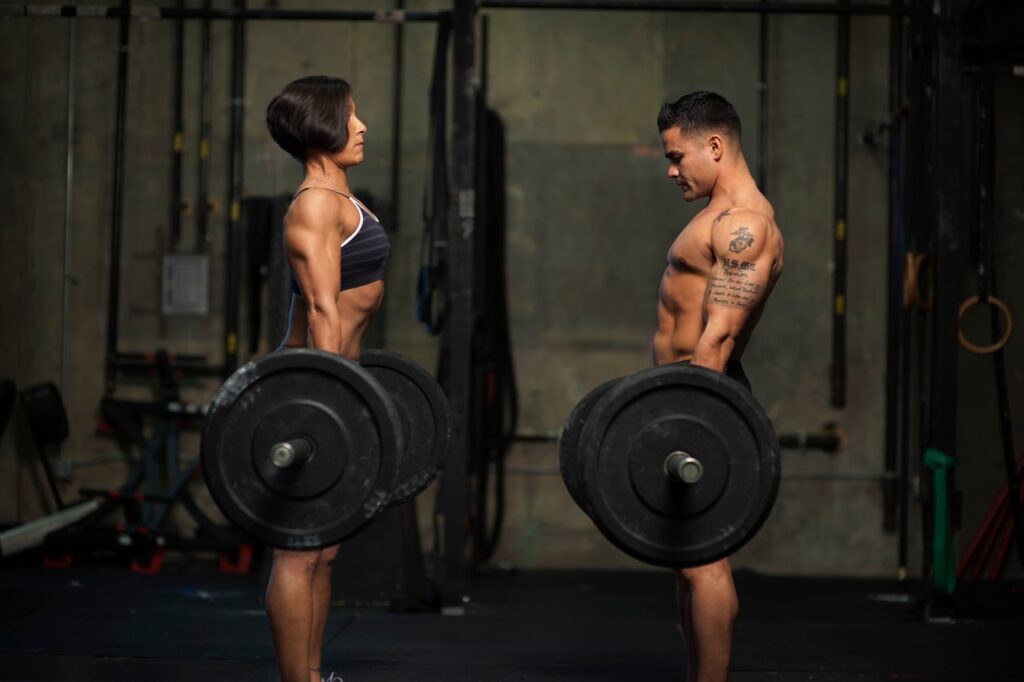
(352, 153)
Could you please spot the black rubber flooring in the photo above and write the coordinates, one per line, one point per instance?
(193, 624)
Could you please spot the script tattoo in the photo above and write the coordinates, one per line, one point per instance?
(732, 283)
(721, 215)
(742, 240)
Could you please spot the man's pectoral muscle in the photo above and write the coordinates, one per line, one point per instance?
(739, 281)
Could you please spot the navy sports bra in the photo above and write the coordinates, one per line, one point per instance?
(363, 254)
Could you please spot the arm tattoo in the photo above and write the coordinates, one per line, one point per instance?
(733, 284)
(742, 240)
(721, 215)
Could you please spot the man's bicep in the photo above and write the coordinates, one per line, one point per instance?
(739, 278)
(735, 288)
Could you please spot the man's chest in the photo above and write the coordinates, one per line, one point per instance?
(691, 250)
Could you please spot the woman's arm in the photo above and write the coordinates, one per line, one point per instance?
(313, 246)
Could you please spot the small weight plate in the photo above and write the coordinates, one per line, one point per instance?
(569, 458)
(426, 422)
(629, 433)
(335, 404)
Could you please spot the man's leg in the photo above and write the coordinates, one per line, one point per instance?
(321, 607)
(707, 611)
(290, 610)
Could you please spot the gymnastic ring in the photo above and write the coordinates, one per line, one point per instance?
(972, 301)
(911, 282)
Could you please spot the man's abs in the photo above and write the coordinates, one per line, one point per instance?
(681, 318)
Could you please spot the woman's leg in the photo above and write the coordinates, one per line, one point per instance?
(321, 605)
(290, 611)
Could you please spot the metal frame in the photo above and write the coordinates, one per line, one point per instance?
(682, 6)
(146, 12)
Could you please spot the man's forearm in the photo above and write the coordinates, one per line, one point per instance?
(713, 351)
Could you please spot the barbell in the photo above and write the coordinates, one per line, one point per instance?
(676, 465)
(302, 448)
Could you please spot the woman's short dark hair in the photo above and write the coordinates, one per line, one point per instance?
(311, 114)
(700, 111)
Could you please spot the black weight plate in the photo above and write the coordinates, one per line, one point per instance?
(633, 428)
(570, 460)
(426, 421)
(331, 401)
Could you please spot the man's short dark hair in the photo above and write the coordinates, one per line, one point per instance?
(311, 114)
(700, 112)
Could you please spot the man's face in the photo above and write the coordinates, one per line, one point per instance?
(690, 162)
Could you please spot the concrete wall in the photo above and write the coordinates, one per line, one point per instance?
(591, 216)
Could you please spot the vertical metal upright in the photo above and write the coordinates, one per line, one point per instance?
(894, 370)
(950, 184)
(117, 207)
(839, 235)
(233, 256)
(461, 225)
(762, 101)
(205, 133)
(178, 140)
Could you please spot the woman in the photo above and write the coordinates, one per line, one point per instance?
(336, 250)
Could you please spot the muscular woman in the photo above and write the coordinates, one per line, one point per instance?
(336, 250)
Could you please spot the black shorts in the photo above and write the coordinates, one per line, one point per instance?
(734, 370)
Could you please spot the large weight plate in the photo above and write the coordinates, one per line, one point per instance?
(332, 402)
(569, 459)
(426, 422)
(641, 420)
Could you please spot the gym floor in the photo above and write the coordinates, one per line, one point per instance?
(190, 622)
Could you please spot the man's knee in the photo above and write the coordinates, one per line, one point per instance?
(294, 564)
(718, 571)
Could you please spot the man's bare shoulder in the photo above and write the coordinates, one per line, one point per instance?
(741, 229)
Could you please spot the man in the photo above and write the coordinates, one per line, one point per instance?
(721, 269)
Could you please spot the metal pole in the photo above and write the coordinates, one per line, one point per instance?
(202, 207)
(147, 12)
(178, 141)
(460, 247)
(233, 255)
(683, 6)
(894, 371)
(69, 186)
(762, 103)
(950, 184)
(117, 208)
(839, 242)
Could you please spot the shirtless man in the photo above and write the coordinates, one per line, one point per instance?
(721, 270)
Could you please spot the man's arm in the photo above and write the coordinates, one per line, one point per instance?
(737, 285)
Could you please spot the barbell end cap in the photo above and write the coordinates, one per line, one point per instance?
(291, 452)
(682, 467)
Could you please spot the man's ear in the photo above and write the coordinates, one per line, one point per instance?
(716, 146)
